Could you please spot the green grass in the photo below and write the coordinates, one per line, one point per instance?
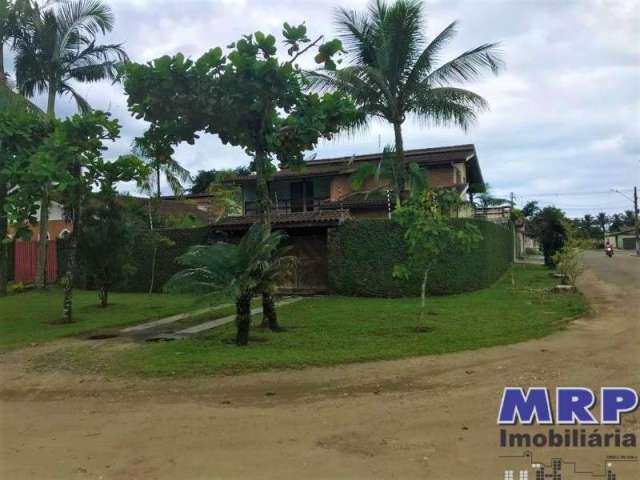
(334, 330)
(31, 317)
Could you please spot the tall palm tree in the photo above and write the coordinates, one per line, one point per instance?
(393, 72)
(57, 47)
(160, 161)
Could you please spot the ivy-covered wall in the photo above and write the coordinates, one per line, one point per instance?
(166, 264)
(139, 281)
(362, 254)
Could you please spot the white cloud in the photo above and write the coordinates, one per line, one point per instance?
(564, 116)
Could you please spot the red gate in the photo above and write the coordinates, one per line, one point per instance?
(27, 258)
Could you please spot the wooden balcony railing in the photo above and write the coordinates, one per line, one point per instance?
(286, 206)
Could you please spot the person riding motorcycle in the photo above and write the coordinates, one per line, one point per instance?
(608, 249)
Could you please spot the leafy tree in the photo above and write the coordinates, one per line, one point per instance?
(106, 239)
(629, 218)
(204, 178)
(550, 227)
(252, 266)
(393, 72)
(530, 209)
(253, 99)
(429, 231)
(78, 142)
(57, 45)
(603, 221)
(617, 222)
(22, 130)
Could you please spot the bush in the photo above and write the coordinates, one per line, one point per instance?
(139, 280)
(532, 251)
(362, 254)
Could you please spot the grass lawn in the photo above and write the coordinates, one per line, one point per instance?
(333, 330)
(30, 317)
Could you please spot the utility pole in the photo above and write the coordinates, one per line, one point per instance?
(635, 205)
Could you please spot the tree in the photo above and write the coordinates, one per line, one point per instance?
(57, 45)
(530, 209)
(602, 220)
(252, 266)
(106, 239)
(22, 130)
(393, 72)
(204, 178)
(12, 15)
(617, 222)
(486, 200)
(550, 227)
(429, 232)
(253, 99)
(388, 174)
(77, 142)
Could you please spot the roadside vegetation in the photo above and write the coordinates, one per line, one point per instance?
(335, 330)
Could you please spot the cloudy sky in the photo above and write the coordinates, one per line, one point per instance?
(564, 125)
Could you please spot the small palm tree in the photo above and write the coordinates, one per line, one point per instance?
(252, 266)
(388, 174)
(393, 71)
(58, 46)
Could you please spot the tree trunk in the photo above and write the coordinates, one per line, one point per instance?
(269, 314)
(404, 168)
(4, 253)
(51, 100)
(3, 75)
(243, 319)
(41, 263)
(67, 316)
(67, 306)
(104, 296)
(423, 294)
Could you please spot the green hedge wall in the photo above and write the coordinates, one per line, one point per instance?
(11, 257)
(166, 264)
(362, 254)
(141, 257)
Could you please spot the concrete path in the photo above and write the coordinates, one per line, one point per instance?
(218, 322)
(173, 318)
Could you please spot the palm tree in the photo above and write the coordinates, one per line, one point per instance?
(12, 14)
(161, 163)
(393, 72)
(57, 46)
(252, 266)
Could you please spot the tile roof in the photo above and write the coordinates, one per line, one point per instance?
(298, 219)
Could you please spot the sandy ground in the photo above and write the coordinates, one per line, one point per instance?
(430, 417)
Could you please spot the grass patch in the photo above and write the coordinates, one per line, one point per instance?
(335, 330)
(34, 316)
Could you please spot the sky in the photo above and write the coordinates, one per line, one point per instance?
(564, 122)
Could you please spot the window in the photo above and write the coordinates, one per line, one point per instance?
(508, 475)
(524, 475)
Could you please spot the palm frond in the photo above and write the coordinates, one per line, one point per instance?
(81, 102)
(469, 65)
(444, 106)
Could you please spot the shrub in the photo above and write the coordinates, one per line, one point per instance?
(362, 254)
(568, 264)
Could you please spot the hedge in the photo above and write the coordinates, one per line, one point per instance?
(166, 265)
(11, 261)
(362, 254)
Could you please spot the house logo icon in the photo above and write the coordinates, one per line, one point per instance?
(524, 467)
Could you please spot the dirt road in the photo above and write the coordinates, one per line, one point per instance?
(431, 417)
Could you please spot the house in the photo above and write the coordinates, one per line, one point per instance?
(624, 239)
(309, 203)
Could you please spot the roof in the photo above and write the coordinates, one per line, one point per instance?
(318, 218)
(624, 231)
(344, 165)
(175, 208)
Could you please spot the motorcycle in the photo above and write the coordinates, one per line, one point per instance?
(609, 251)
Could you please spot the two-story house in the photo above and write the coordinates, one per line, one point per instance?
(308, 203)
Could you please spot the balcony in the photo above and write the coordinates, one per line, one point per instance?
(282, 207)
